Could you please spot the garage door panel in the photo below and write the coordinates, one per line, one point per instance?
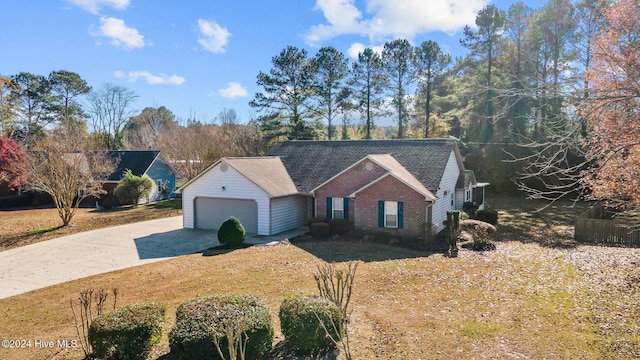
(210, 213)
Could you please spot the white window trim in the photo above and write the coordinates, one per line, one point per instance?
(391, 209)
(340, 207)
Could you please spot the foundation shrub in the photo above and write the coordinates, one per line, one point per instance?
(320, 229)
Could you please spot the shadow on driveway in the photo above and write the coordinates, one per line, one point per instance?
(175, 243)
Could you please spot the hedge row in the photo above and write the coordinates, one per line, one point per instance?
(311, 325)
(323, 227)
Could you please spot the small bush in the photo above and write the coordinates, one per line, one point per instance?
(320, 229)
(478, 229)
(131, 188)
(488, 216)
(231, 232)
(109, 201)
(481, 234)
(339, 226)
(129, 332)
(199, 322)
(314, 220)
(470, 208)
(303, 333)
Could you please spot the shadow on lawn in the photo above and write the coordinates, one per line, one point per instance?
(345, 248)
(527, 221)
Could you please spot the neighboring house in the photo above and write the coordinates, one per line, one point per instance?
(395, 186)
(149, 163)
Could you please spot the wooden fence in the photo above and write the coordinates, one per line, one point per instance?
(606, 231)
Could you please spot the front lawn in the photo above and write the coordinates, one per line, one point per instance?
(520, 301)
(22, 227)
(523, 301)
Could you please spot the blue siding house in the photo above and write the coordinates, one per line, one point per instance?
(150, 163)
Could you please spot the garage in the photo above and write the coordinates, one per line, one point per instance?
(258, 191)
(210, 213)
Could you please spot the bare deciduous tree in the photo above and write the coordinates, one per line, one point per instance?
(109, 110)
(68, 173)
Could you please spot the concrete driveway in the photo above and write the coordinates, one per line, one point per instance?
(99, 251)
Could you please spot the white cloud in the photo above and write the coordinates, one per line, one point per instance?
(357, 48)
(233, 90)
(213, 37)
(120, 34)
(94, 6)
(392, 19)
(150, 78)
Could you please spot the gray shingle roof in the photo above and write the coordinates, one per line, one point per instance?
(138, 161)
(310, 163)
(266, 172)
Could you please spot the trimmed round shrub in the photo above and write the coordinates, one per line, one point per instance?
(128, 332)
(478, 229)
(481, 234)
(320, 229)
(314, 220)
(201, 321)
(488, 216)
(231, 232)
(303, 333)
(339, 226)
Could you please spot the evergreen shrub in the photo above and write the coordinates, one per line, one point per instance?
(231, 232)
(488, 216)
(320, 229)
(310, 324)
(128, 332)
(201, 321)
(339, 226)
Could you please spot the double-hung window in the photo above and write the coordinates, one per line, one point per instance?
(391, 214)
(337, 208)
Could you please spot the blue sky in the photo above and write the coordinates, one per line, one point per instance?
(197, 57)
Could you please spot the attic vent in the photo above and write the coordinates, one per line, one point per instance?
(368, 166)
(224, 167)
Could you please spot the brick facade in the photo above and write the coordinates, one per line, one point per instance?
(363, 210)
(390, 189)
(345, 184)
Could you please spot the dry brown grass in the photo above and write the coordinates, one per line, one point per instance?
(23, 227)
(521, 301)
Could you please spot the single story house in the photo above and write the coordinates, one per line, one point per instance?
(149, 163)
(395, 186)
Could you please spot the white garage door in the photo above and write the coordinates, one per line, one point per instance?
(210, 213)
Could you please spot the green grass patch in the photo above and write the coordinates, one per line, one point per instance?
(172, 204)
(479, 329)
(43, 230)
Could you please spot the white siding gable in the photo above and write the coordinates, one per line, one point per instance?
(448, 186)
(235, 185)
